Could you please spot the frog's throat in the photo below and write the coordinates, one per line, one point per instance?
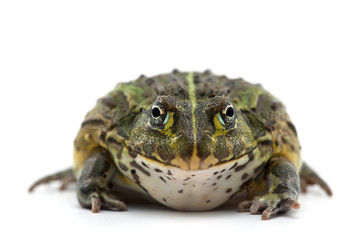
(189, 189)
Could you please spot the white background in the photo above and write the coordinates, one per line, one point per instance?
(58, 57)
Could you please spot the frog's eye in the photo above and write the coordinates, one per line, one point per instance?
(155, 112)
(226, 117)
(159, 116)
(229, 111)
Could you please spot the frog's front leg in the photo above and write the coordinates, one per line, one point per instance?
(283, 190)
(92, 186)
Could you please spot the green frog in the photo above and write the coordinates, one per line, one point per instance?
(190, 141)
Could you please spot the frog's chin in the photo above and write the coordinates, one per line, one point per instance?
(189, 189)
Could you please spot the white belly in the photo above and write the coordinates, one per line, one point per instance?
(188, 190)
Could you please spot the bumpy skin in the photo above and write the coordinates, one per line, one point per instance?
(190, 141)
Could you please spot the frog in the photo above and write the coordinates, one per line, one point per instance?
(189, 141)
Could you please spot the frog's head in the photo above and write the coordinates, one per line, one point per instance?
(191, 135)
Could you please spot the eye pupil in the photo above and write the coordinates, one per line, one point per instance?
(230, 112)
(155, 112)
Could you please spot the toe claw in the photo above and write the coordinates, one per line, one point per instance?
(95, 201)
(268, 212)
(295, 205)
(289, 203)
(256, 207)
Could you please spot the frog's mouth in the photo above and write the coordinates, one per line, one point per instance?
(194, 162)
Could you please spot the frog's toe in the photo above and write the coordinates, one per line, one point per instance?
(113, 204)
(282, 207)
(96, 201)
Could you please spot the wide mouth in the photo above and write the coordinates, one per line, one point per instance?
(194, 162)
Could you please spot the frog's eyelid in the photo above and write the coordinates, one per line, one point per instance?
(220, 119)
(166, 119)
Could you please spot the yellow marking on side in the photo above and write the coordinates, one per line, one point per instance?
(86, 141)
(285, 149)
(194, 161)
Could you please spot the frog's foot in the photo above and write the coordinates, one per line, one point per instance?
(66, 177)
(309, 177)
(96, 200)
(283, 180)
(269, 205)
(93, 189)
